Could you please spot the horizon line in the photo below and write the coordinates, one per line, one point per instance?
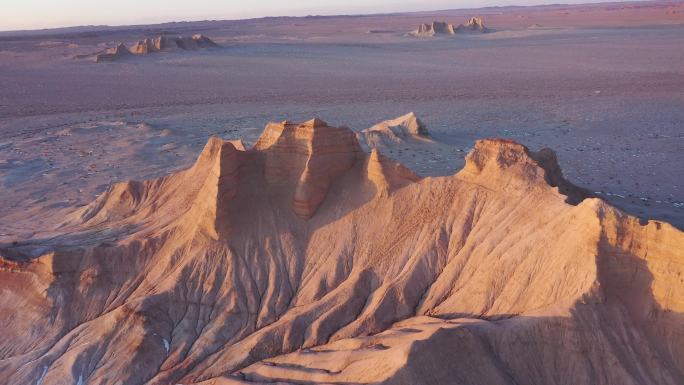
(123, 26)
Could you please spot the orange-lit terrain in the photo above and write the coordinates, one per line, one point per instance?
(521, 226)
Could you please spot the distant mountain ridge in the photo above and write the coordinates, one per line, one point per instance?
(174, 27)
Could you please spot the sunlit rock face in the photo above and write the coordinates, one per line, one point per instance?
(307, 259)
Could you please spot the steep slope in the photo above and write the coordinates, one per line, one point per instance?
(307, 260)
(162, 43)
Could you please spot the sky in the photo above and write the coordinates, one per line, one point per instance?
(37, 14)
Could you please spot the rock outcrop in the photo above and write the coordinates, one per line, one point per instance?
(437, 28)
(433, 29)
(307, 260)
(117, 53)
(395, 131)
(145, 46)
(474, 24)
(163, 43)
(311, 155)
(197, 41)
(158, 44)
(202, 41)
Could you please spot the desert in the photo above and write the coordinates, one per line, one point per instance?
(469, 196)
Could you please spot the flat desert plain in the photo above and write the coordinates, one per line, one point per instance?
(602, 85)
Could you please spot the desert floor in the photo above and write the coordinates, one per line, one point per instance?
(602, 85)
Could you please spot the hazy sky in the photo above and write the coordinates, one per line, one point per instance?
(34, 14)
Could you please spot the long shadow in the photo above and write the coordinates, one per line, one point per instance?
(619, 334)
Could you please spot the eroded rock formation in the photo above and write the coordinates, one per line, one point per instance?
(112, 54)
(158, 44)
(145, 46)
(308, 260)
(395, 131)
(474, 24)
(436, 28)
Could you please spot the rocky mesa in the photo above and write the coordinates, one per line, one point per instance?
(306, 259)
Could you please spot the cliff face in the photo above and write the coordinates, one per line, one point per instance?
(312, 155)
(305, 259)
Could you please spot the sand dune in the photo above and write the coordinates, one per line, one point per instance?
(307, 260)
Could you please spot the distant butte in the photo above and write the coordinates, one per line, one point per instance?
(395, 131)
(436, 28)
(474, 24)
(158, 44)
(112, 54)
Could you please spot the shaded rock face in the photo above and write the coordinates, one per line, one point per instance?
(434, 28)
(145, 47)
(202, 41)
(194, 42)
(112, 54)
(388, 175)
(307, 260)
(164, 43)
(311, 153)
